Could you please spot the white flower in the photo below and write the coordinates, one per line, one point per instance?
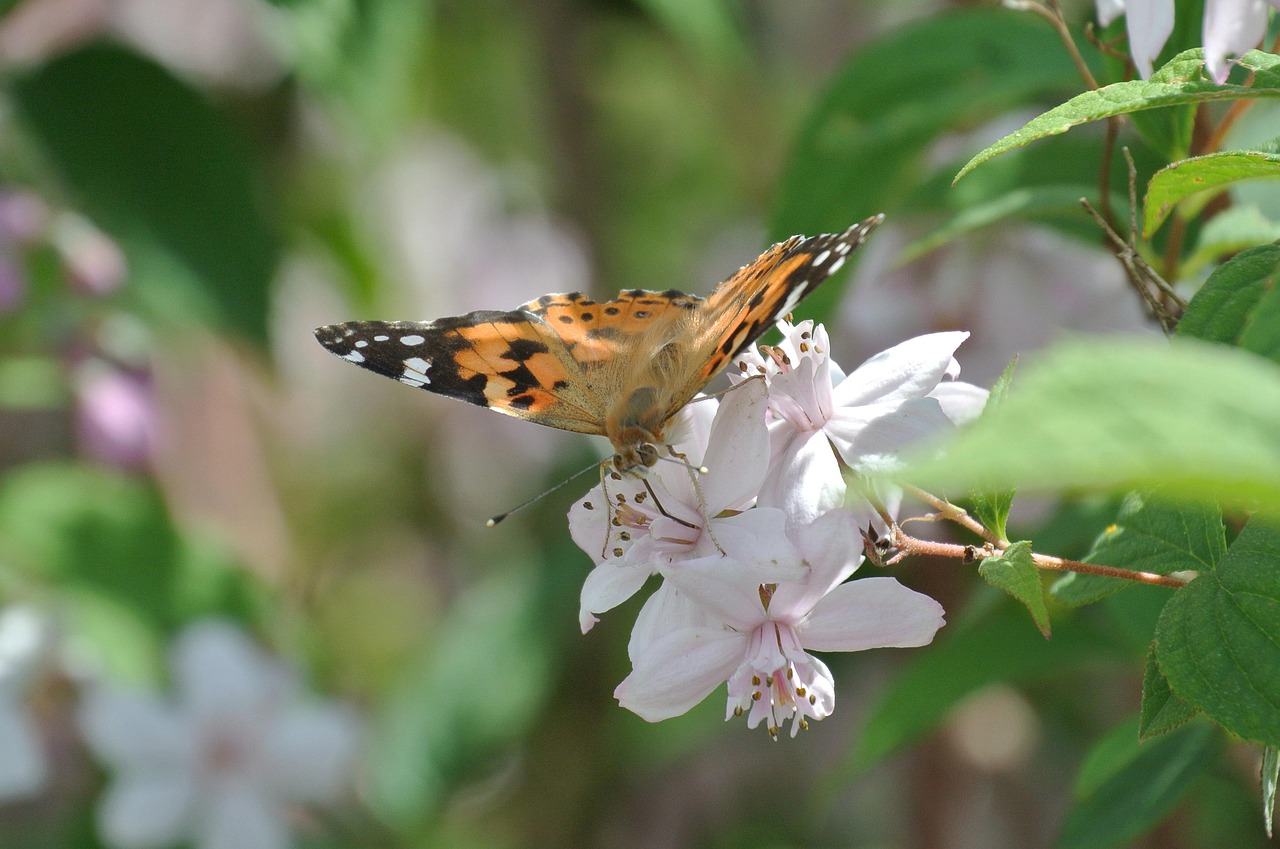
(761, 634)
(221, 763)
(1148, 22)
(631, 537)
(890, 402)
(24, 641)
(1232, 27)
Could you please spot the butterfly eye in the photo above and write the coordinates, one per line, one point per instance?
(648, 453)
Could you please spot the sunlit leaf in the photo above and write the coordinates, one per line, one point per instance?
(1014, 573)
(1240, 304)
(1204, 177)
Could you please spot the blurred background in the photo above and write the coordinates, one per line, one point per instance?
(188, 187)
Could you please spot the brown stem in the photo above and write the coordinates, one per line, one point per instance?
(907, 545)
(951, 512)
(1052, 13)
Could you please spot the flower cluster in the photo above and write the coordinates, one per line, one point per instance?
(754, 531)
(1231, 28)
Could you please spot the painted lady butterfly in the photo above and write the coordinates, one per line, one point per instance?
(619, 369)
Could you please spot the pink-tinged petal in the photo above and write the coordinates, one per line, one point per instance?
(680, 670)
(311, 753)
(868, 614)
(723, 587)
(220, 672)
(136, 731)
(738, 455)
(961, 402)
(664, 612)
(757, 539)
(142, 810)
(23, 771)
(689, 431)
(1149, 23)
(872, 438)
(1231, 28)
(1109, 10)
(805, 482)
(241, 817)
(589, 525)
(607, 586)
(910, 369)
(803, 395)
(832, 546)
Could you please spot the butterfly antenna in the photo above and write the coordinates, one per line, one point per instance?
(492, 522)
(681, 460)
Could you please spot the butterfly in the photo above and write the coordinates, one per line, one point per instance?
(622, 368)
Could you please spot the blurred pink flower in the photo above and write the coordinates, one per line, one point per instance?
(23, 217)
(758, 637)
(1231, 28)
(222, 763)
(13, 284)
(117, 416)
(94, 263)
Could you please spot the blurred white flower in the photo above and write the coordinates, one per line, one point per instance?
(1231, 28)
(25, 637)
(1148, 22)
(94, 263)
(759, 636)
(692, 526)
(222, 763)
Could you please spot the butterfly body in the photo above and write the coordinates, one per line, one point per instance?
(621, 368)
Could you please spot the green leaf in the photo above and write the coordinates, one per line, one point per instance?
(992, 508)
(859, 150)
(707, 26)
(998, 647)
(1202, 177)
(1162, 710)
(1178, 83)
(1240, 304)
(1216, 639)
(1196, 418)
(153, 163)
(1014, 573)
(1125, 789)
(1149, 535)
(1231, 231)
(1270, 773)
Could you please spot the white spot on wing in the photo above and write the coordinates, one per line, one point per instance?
(821, 258)
(353, 357)
(381, 337)
(362, 343)
(410, 381)
(835, 266)
(412, 339)
(415, 364)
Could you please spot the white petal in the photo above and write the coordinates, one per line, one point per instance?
(690, 430)
(220, 672)
(1109, 10)
(311, 753)
(130, 730)
(738, 454)
(962, 402)
(805, 482)
(872, 438)
(240, 817)
(589, 527)
(871, 613)
(1149, 23)
(607, 586)
(832, 546)
(1231, 28)
(679, 671)
(140, 810)
(757, 539)
(910, 369)
(664, 612)
(22, 763)
(803, 395)
(723, 587)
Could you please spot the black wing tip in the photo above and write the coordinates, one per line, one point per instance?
(335, 337)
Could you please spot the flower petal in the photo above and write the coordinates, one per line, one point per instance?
(1231, 27)
(680, 670)
(311, 753)
(871, 613)
(962, 402)
(241, 817)
(130, 730)
(23, 770)
(758, 540)
(871, 438)
(738, 453)
(910, 369)
(1149, 23)
(805, 480)
(220, 672)
(832, 546)
(147, 809)
(607, 586)
(723, 587)
(664, 612)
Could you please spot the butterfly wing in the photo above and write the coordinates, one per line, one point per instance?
(742, 308)
(512, 362)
